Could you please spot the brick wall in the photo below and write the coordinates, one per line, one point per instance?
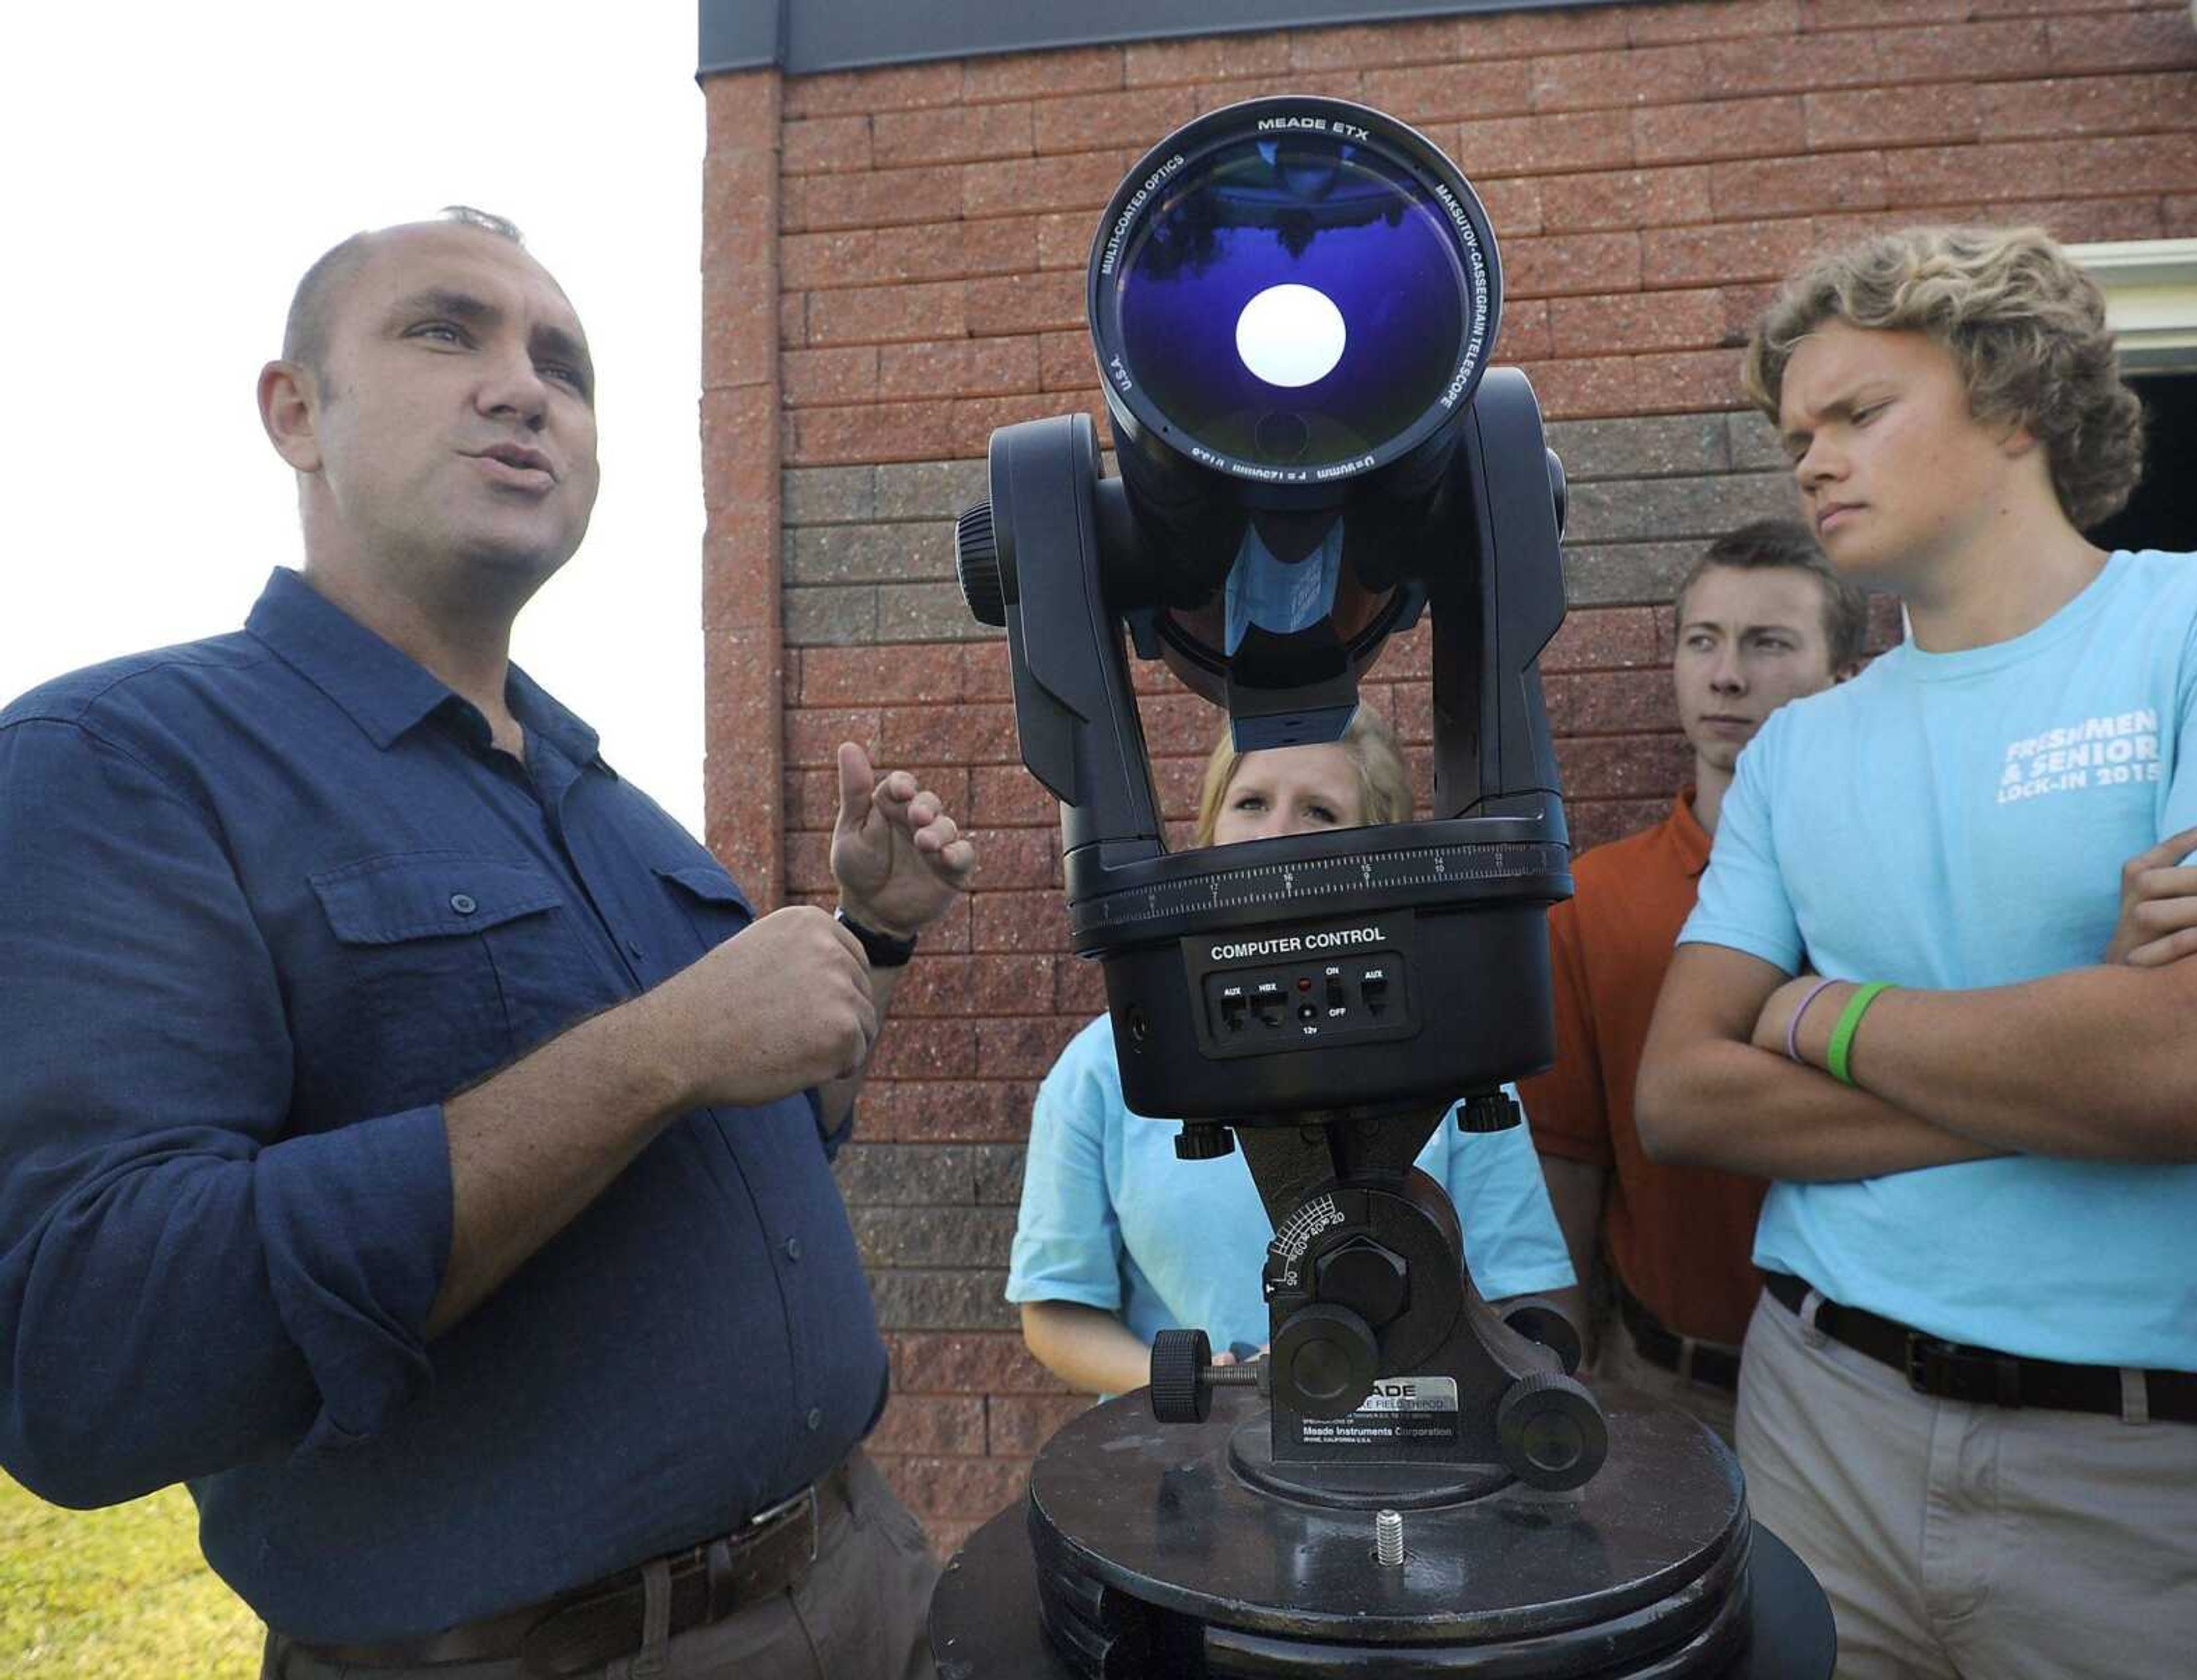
(1650, 170)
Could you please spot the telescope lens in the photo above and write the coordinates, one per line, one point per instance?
(1300, 275)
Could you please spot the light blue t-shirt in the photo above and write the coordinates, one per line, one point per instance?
(1111, 1219)
(1956, 821)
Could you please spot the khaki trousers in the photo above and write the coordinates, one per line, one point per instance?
(1970, 1542)
(861, 1613)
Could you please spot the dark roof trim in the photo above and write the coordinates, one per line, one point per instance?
(801, 37)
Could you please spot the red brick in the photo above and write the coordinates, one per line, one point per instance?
(1447, 93)
(1524, 334)
(919, 1049)
(1522, 34)
(918, 1424)
(1205, 58)
(1668, 382)
(2180, 217)
(1596, 822)
(1891, 116)
(1739, 128)
(955, 1488)
(793, 320)
(876, 198)
(826, 144)
(1610, 703)
(1513, 206)
(1002, 796)
(1984, 9)
(1573, 264)
(977, 418)
(1065, 126)
(1365, 46)
(967, 1362)
(870, 431)
(1829, 14)
(1019, 857)
(896, 88)
(1018, 921)
(1020, 1424)
(1179, 724)
(1773, 66)
(950, 249)
(842, 676)
(959, 367)
(1636, 322)
(985, 672)
(1337, 84)
(884, 313)
(1956, 52)
(812, 376)
(1066, 360)
(1040, 75)
(2088, 105)
(1024, 303)
(974, 133)
(813, 736)
(1602, 638)
(2146, 41)
(1799, 186)
(1079, 181)
(1180, 780)
(1757, 251)
(1623, 767)
(809, 798)
(1743, 305)
(1707, 19)
(1079, 988)
(971, 734)
(944, 1111)
(1022, 1048)
(1629, 197)
(1065, 238)
(1537, 145)
(1641, 76)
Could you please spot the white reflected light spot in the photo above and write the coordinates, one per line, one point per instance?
(1290, 335)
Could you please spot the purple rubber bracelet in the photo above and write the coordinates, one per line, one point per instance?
(1793, 1026)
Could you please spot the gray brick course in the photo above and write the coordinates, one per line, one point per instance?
(868, 553)
(943, 1301)
(843, 618)
(1640, 448)
(1652, 510)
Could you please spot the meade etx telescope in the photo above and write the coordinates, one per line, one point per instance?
(1293, 302)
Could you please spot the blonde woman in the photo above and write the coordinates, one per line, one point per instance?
(1119, 1240)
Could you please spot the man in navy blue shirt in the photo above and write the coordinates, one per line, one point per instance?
(413, 1140)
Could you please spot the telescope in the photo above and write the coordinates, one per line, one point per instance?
(1293, 303)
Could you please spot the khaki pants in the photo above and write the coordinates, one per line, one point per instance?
(1620, 1376)
(861, 1613)
(1970, 1542)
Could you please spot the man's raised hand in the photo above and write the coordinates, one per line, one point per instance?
(900, 859)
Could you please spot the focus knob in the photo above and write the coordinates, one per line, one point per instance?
(1324, 1360)
(977, 559)
(1552, 1433)
(1179, 1395)
(1543, 1321)
(1489, 1111)
(1203, 1140)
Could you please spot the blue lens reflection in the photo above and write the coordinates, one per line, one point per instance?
(1260, 213)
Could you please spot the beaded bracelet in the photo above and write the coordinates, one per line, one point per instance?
(1842, 1035)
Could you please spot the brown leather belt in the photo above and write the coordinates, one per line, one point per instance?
(1712, 1363)
(590, 1627)
(1953, 1371)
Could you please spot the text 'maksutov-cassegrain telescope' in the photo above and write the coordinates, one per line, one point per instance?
(1293, 302)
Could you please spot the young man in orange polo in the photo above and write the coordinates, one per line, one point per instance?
(1662, 1252)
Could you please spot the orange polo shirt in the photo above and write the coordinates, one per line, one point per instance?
(1680, 1239)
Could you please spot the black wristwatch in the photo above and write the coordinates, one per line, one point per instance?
(883, 950)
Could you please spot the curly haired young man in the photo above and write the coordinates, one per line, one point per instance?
(1969, 1396)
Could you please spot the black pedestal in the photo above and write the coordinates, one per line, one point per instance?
(1154, 1555)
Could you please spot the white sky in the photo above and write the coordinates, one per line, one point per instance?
(171, 169)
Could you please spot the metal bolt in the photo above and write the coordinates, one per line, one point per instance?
(1388, 1537)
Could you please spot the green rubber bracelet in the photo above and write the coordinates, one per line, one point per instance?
(1842, 1035)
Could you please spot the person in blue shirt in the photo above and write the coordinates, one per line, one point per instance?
(1118, 1239)
(1969, 1394)
(414, 1140)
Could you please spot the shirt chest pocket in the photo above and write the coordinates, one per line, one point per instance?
(708, 900)
(454, 964)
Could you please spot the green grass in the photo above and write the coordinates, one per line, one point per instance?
(120, 1593)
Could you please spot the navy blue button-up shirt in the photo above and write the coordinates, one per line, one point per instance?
(267, 900)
